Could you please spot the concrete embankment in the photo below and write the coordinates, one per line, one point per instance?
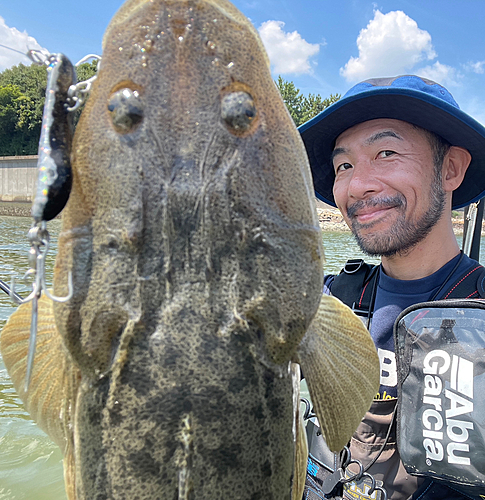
(18, 176)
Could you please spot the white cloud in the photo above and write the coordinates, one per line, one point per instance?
(391, 44)
(22, 42)
(440, 73)
(477, 67)
(288, 52)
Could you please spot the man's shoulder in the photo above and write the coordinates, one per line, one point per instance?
(349, 284)
(467, 281)
(468, 262)
(354, 269)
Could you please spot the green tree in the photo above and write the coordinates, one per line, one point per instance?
(302, 108)
(23, 89)
(314, 104)
(9, 96)
(292, 98)
(16, 110)
(30, 81)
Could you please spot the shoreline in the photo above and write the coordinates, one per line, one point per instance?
(330, 218)
(15, 209)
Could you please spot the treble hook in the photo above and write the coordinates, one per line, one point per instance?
(79, 91)
(39, 237)
(36, 266)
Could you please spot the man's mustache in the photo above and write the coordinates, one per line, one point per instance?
(388, 202)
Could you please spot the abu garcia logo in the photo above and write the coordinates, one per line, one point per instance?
(439, 367)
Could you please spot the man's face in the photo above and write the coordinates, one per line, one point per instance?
(386, 185)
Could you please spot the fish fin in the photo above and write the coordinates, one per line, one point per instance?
(341, 367)
(50, 397)
(301, 460)
(301, 445)
(69, 464)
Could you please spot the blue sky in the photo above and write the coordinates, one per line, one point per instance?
(323, 46)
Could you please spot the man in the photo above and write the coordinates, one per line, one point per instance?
(396, 155)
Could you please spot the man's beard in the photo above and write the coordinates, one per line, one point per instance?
(402, 235)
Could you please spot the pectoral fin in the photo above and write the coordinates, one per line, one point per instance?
(54, 378)
(341, 367)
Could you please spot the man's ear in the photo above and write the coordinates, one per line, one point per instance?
(455, 165)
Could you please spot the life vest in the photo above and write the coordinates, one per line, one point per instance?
(355, 283)
(355, 286)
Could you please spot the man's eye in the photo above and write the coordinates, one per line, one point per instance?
(386, 153)
(342, 167)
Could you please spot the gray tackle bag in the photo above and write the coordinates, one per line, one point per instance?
(440, 354)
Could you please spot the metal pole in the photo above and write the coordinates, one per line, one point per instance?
(470, 221)
(477, 233)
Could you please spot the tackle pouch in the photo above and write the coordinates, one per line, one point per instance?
(440, 354)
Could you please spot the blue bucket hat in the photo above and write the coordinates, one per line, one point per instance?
(408, 98)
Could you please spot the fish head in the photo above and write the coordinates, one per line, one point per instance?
(195, 254)
(196, 259)
(187, 169)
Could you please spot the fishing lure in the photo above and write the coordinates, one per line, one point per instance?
(54, 180)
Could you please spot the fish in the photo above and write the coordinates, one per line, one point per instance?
(196, 258)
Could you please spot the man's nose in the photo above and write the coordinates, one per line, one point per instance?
(363, 182)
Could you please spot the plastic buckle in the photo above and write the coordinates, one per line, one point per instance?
(353, 265)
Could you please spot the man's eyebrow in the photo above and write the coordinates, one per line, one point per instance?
(370, 140)
(381, 135)
(336, 152)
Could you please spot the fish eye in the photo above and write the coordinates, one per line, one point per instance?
(238, 111)
(126, 108)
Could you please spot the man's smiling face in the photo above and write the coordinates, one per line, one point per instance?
(386, 185)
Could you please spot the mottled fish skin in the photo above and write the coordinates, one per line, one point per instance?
(197, 262)
(196, 257)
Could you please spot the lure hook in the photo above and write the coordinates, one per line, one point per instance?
(40, 244)
(78, 92)
(36, 261)
(55, 298)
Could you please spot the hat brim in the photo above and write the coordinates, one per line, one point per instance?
(458, 128)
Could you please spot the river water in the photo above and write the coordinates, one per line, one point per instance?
(30, 464)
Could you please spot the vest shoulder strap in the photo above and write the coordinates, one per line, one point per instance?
(471, 285)
(353, 286)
